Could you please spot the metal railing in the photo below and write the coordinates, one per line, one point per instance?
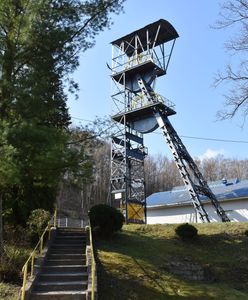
(71, 222)
(140, 101)
(93, 265)
(123, 62)
(29, 264)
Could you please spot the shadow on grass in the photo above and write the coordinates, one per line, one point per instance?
(112, 288)
(115, 288)
(226, 254)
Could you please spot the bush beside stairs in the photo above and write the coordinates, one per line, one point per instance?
(64, 274)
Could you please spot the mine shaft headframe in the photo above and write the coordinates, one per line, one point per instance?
(145, 45)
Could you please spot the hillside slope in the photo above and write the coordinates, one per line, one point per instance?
(143, 262)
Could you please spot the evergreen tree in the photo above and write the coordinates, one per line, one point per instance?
(39, 45)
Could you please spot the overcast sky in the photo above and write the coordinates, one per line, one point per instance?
(198, 55)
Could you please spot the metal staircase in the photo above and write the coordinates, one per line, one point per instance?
(64, 274)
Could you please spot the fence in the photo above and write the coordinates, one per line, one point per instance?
(71, 222)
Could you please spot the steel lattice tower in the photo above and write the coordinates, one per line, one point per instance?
(138, 59)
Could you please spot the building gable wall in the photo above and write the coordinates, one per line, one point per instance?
(237, 211)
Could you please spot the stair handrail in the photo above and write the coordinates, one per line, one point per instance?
(31, 258)
(93, 264)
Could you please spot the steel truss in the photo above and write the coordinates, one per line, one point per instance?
(190, 174)
(127, 174)
(138, 59)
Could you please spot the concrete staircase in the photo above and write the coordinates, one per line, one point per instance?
(64, 274)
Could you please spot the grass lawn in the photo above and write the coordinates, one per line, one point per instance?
(132, 265)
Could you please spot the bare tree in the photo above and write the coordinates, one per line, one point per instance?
(161, 173)
(75, 196)
(234, 14)
(210, 168)
(101, 184)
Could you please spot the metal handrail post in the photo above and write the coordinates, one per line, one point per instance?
(41, 244)
(93, 266)
(32, 263)
(93, 280)
(25, 272)
(55, 218)
(49, 232)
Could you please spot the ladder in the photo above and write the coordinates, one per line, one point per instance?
(191, 175)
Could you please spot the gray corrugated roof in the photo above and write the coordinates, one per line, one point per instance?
(179, 195)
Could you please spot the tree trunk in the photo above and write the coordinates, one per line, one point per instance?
(1, 231)
(1, 222)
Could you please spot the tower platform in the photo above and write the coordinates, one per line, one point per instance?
(140, 66)
(143, 112)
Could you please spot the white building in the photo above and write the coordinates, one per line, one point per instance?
(175, 206)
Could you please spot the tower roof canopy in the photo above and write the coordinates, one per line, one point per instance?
(166, 33)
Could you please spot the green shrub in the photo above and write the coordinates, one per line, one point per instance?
(16, 235)
(246, 232)
(37, 222)
(186, 231)
(105, 220)
(13, 258)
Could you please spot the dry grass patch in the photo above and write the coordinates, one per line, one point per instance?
(9, 291)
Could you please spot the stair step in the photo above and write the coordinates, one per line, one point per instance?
(54, 262)
(55, 255)
(67, 251)
(52, 277)
(68, 237)
(64, 268)
(71, 233)
(61, 286)
(71, 229)
(66, 256)
(62, 295)
(69, 241)
(74, 244)
(66, 246)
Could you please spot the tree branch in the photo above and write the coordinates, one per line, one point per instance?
(81, 29)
